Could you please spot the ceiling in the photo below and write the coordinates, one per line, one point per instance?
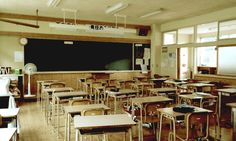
(94, 10)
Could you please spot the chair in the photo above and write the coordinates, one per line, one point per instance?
(79, 102)
(151, 115)
(196, 127)
(93, 112)
(212, 104)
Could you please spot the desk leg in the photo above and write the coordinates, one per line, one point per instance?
(58, 117)
(220, 102)
(76, 134)
(141, 123)
(159, 136)
(69, 127)
(234, 123)
(130, 134)
(115, 104)
(66, 127)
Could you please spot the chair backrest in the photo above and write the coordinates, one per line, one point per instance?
(197, 125)
(79, 102)
(57, 85)
(210, 104)
(93, 111)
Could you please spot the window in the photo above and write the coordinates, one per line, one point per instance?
(226, 63)
(206, 56)
(207, 32)
(169, 38)
(185, 35)
(227, 29)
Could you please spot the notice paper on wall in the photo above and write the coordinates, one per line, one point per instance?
(146, 53)
(18, 56)
(146, 62)
(139, 61)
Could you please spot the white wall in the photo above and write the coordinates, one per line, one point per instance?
(8, 46)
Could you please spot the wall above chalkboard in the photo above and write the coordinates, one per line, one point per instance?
(57, 55)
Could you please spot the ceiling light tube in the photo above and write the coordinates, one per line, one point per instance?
(53, 3)
(116, 8)
(152, 13)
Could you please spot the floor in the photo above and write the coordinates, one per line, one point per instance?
(34, 127)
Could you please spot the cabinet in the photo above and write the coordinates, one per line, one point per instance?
(206, 70)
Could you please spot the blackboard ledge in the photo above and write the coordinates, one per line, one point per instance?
(56, 72)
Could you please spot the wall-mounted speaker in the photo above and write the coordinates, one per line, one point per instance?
(143, 32)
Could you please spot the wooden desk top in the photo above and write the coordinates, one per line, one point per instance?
(80, 108)
(198, 96)
(150, 99)
(174, 82)
(72, 94)
(122, 92)
(57, 89)
(7, 133)
(103, 121)
(200, 85)
(162, 89)
(171, 112)
(233, 105)
(228, 90)
(8, 113)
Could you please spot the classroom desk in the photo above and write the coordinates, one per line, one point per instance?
(158, 91)
(104, 124)
(122, 93)
(10, 113)
(233, 119)
(173, 83)
(172, 115)
(196, 96)
(123, 83)
(224, 92)
(199, 86)
(48, 92)
(42, 84)
(69, 110)
(141, 102)
(158, 81)
(142, 85)
(8, 134)
(57, 97)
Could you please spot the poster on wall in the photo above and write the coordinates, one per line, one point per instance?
(18, 56)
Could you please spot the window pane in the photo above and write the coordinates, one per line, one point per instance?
(228, 29)
(185, 35)
(206, 56)
(169, 38)
(226, 63)
(207, 32)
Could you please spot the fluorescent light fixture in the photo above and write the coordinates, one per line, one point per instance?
(53, 3)
(116, 8)
(152, 13)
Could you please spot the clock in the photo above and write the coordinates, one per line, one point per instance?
(23, 41)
